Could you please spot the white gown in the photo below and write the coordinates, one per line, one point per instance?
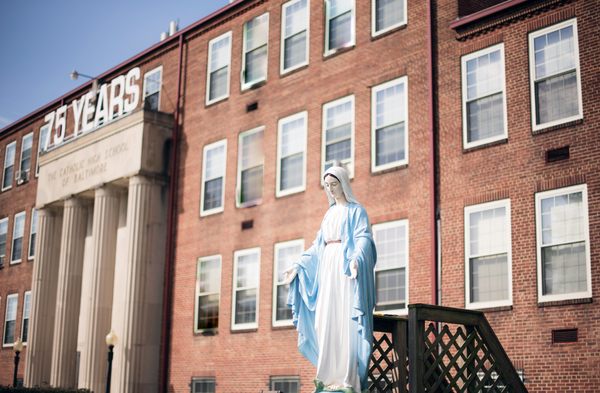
(336, 335)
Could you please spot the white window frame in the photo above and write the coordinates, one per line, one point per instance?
(34, 219)
(391, 224)
(227, 35)
(12, 242)
(28, 136)
(238, 187)
(11, 145)
(464, 60)
(284, 7)
(203, 379)
(198, 293)
(374, 91)
(236, 256)
(248, 84)
(277, 247)
(374, 31)
(148, 75)
(328, 51)
(222, 142)
(278, 191)
(26, 312)
(285, 379)
(349, 164)
(504, 203)
(532, 80)
(538, 225)
(8, 300)
(42, 146)
(5, 219)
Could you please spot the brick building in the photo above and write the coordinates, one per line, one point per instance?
(429, 104)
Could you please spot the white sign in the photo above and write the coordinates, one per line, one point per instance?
(96, 107)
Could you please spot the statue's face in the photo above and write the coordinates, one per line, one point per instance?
(334, 188)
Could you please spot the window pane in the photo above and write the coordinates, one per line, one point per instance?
(391, 289)
(388, 13)
(292, 171)
(3, 232)
(485, 118)
(252, 149)
(340, 31)
(256, 64)
(220, 54)
(556, 98)
(291, 385)
(213, 192)
(295, 18)
(209, 279)
(488, 232)
(484, 75)
(294, 50)
(489, 278)
(283, 311)
(218, 83)
(26, 153)
(26, 313)
(245, 306)
(247, 268)
(251, 189)
(563, 219)
(564, 269)
(203, 386)
(390, 144)
(10, 320)
(554, 52)
(9, 162)
(208, 311)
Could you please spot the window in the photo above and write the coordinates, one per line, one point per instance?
(555, 75)
(285, 384)
(484, 100)
(563, 244)
(246, 267)
(488, 272)
(250, 167)
(208, 293)
(387, 15)
(152, 82)
(339, 25)
(286, 254)
(291, 154)
(338, 133)
(17, 240)
(9, 165)
(10, 320)
(389, 131)
(43, 142)
(213, 177)
(254, 61)
(219, 59)
(3, 232)
(26, 313)
(391, 271)
(203, 385)
(294, 35)
(25, 164)
(32, 233)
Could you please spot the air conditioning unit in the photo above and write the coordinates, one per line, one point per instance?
(22, 176)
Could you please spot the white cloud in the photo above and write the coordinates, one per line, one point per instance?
(4, 121)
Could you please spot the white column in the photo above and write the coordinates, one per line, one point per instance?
(138, 352)
(43, 297)
(68, 296)
(93, 359)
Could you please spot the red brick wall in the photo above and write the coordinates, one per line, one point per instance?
(16, 278)
(517, 170)
(244, 361)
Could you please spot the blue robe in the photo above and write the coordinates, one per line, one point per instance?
(357, 243)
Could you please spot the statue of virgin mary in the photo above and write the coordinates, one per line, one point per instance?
(332, 292)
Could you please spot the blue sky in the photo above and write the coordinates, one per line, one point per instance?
(42, 41)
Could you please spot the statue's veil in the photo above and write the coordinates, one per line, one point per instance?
(342, 175)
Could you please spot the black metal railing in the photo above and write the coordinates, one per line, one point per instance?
(439, 349)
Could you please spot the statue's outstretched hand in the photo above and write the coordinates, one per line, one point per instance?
(353, 269)
(289, 275)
